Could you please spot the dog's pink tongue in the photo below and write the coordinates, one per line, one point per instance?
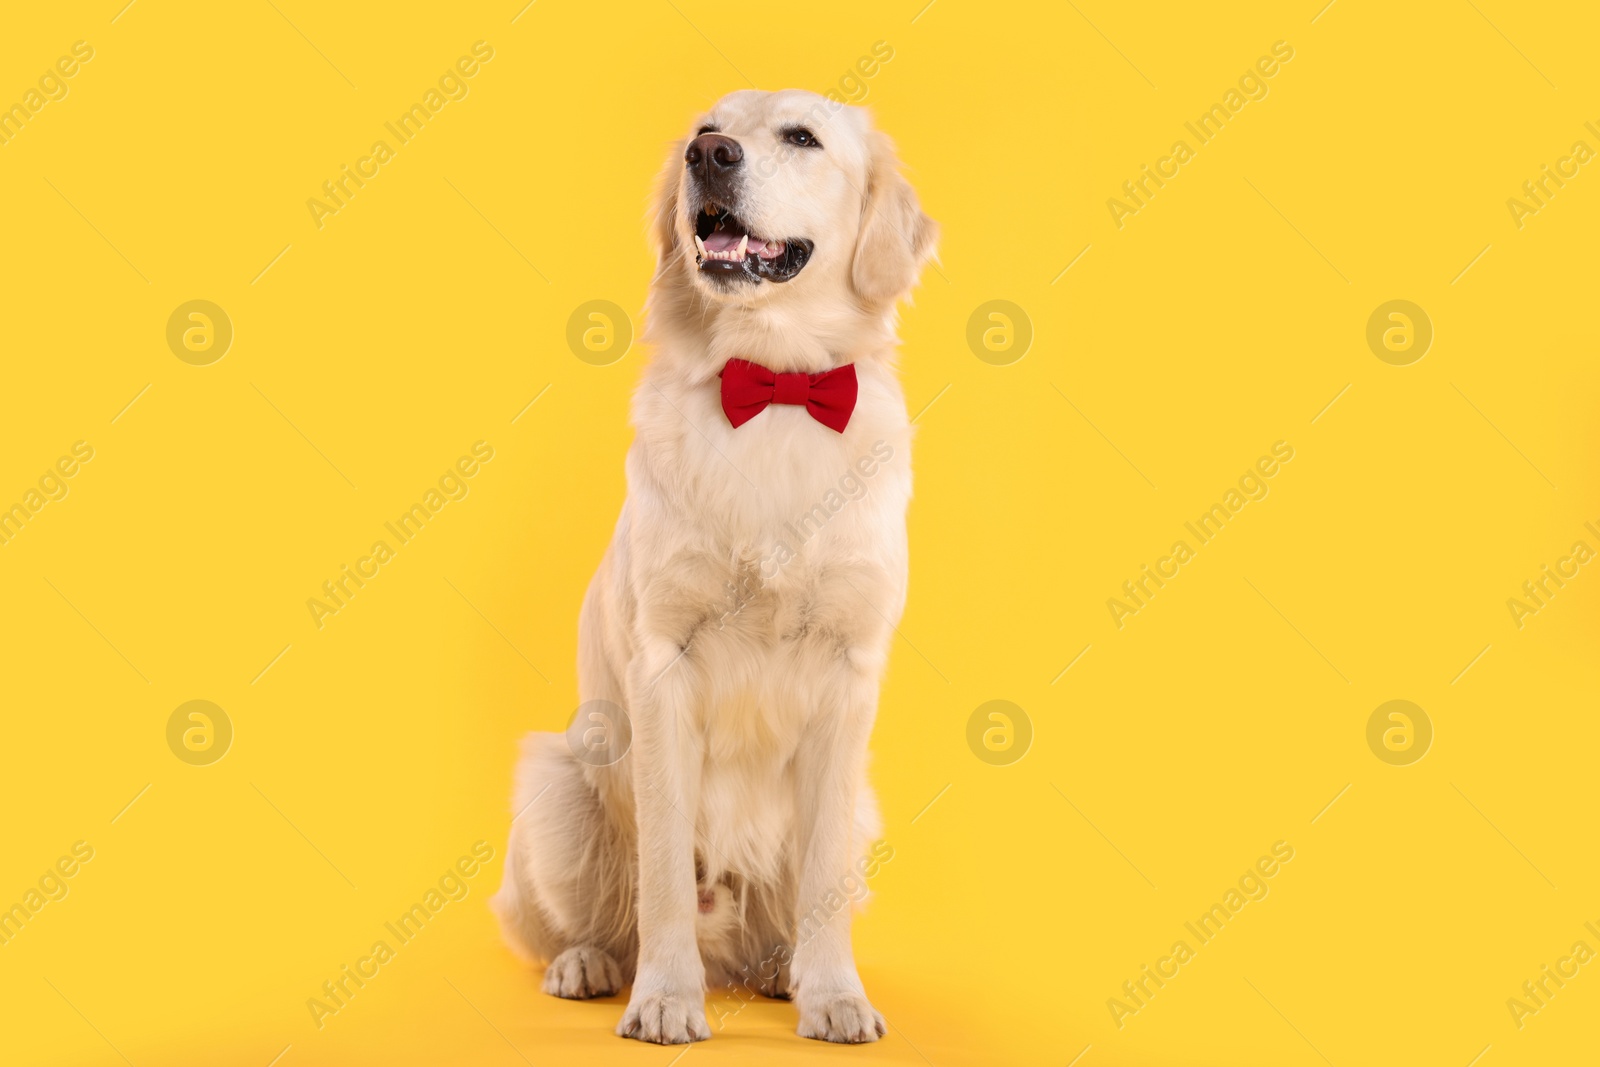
(723, 241)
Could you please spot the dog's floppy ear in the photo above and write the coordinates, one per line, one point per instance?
(664, 207)
(896, 237)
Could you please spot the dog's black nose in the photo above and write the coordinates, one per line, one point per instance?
(712, 157)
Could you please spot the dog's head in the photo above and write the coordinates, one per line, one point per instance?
(775, 195)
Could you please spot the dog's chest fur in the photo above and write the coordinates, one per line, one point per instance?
(774, 555)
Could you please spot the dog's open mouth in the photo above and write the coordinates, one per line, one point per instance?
(725, 247)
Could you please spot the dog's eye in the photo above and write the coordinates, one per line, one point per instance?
(799, 135)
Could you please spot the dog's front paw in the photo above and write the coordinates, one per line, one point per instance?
(665, 1019)
(581, 973)
(843, 1017)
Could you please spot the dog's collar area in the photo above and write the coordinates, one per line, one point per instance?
(749, 388)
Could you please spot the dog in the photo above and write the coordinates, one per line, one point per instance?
(706, 817)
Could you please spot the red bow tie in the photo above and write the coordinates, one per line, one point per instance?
(747, 389)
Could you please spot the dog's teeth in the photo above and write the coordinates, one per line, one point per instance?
(744, 244)
(701, 245)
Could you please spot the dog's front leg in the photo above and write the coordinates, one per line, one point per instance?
(668, 1002)
(832, 1001)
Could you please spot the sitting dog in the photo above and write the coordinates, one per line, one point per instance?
(707, 812)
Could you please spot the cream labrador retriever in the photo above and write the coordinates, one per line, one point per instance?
(705, 817)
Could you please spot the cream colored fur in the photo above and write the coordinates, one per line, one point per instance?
(749, 674)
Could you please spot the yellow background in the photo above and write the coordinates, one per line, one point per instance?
(1225, 716)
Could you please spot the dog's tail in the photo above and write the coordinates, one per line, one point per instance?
(515, 904)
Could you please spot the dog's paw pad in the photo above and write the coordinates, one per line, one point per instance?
(845, 1017)
(581, 973)
(665, 1019)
